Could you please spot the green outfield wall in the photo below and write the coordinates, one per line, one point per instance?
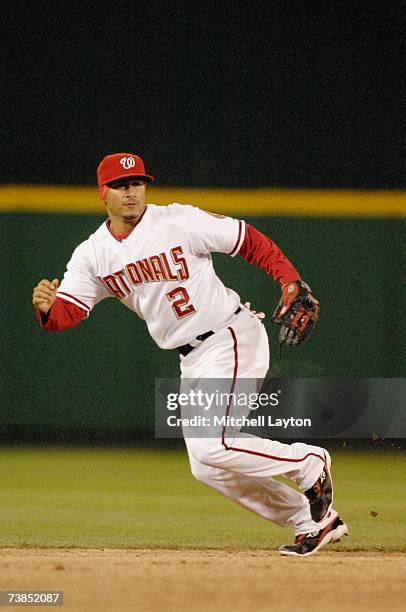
(99, 377)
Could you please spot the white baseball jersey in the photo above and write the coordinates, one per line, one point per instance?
(163, 271)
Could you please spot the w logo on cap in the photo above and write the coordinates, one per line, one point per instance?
(127, 162)
(108, 170)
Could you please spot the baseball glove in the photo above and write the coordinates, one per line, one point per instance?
(297, 312)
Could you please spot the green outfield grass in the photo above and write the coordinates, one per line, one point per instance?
(115, 498)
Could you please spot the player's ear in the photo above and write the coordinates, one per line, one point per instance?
(103, 193)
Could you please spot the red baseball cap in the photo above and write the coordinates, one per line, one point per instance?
(120, 165)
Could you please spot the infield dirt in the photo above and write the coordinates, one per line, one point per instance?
(192, 580)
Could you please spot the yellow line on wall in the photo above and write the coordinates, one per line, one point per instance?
(242, 202)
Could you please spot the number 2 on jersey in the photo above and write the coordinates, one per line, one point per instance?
(180, 305)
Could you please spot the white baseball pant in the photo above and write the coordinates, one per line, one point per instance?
(242, 466)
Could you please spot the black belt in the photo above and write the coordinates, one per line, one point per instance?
(186, 348)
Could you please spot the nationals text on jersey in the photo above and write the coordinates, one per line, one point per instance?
(155, 268)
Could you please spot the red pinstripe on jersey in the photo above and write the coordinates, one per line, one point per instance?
(237, 244)
(78, 302)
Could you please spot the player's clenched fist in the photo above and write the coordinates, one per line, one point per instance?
(44, 294)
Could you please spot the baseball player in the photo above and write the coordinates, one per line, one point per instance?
(156, 260)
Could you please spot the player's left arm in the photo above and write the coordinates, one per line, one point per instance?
(298, 309)
(210, 233)
(258, 249)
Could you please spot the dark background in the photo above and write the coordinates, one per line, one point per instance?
(211, 93)
(225, 94)
(95, 383)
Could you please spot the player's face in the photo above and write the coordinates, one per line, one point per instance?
(125, 200)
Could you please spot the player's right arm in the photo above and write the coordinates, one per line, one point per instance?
(54, 313)
(60, 307)
(44, 295)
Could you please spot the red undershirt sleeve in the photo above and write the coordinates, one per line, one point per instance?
(260, 250)
(61, 316)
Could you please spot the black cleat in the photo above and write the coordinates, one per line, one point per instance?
(320, 495)
(307, 544)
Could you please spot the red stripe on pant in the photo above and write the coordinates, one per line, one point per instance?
(245, 450)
